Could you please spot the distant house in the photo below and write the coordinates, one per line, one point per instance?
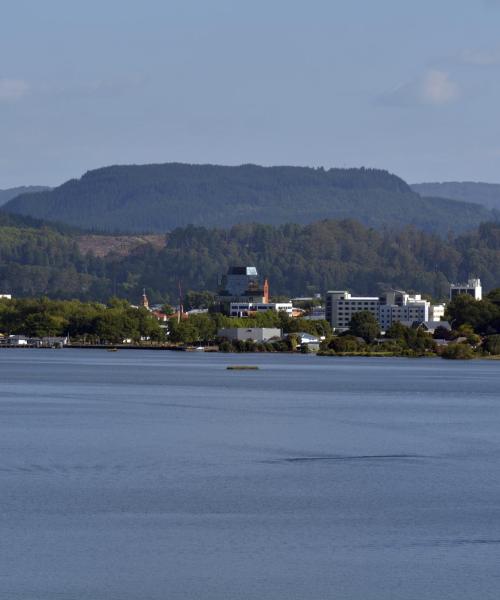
(317, 313)
(245, 309)
(54, 341)
(48, 342)
(309, 341)
(428, 326)
(17, 340)
(255, 334)
(305, 338)
(197, 311)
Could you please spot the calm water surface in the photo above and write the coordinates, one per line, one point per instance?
(158, 475)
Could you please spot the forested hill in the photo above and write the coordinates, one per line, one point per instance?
(159, 198)
(6, 195)
(298, 259)
(487, 194)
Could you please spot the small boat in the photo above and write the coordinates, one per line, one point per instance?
(112, 349)
(242, 368)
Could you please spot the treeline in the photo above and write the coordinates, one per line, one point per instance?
(298, 260)
(301, 260)
(159, 198)
(117, 321)
(90, 322)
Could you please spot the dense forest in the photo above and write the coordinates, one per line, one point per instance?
(42, 261)
(8, 194)
(160, 198)
(298, 259)
(487, 194)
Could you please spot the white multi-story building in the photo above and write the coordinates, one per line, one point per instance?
(341, 306)
(395, 306)
(243, 309)
(471, 288)
(436, 312)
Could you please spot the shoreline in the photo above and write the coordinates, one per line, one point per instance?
(215, 350)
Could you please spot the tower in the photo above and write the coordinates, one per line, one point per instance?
(265, 291)
(144, 300)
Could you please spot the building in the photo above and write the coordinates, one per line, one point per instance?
(239, 280)
(17, 341)
(340, 306)
(255, 334)
(5, 297)
(317, 313)
(392, 307)
(241, 285)
(144, 300)
(246, 309)
(436, 312)
(471, 288)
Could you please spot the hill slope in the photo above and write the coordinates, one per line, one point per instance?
(6, 195)
(298, 259)
(158, 198)
(487, 194)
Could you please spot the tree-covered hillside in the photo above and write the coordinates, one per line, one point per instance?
(298, 259)
(313, 258)
(159, 198)
(8, 194)
(487, 194)
(37, 261)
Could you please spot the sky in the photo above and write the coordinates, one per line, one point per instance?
(411, 87)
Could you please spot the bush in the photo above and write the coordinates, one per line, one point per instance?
(492, 344)
(346, 343)
(225, 346)
(457, 352)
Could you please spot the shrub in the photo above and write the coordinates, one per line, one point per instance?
(492, 344)
(457, 352)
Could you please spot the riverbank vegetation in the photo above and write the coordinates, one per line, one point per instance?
(475, 330)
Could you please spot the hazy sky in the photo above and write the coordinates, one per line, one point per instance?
(413, 87)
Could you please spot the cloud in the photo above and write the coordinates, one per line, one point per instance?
(433, 88)
(13, 89)
(437, 88)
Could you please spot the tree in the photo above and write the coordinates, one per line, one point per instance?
(363, 324)
(345, 343)
(184, 332)
(483, 316)
(442, 333)
(492, 344)
(42, 324)
(457, 352)
(196, 299)
(167, 309)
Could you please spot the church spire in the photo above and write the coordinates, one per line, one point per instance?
(144, 301)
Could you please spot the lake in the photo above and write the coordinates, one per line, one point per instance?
(161, 475)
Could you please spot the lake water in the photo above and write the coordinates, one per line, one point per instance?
(163, 476)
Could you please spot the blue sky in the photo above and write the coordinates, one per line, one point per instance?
(412, 87)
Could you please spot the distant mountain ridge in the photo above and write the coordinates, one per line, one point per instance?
(487, 194)
(162, 197)
(8, 194)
